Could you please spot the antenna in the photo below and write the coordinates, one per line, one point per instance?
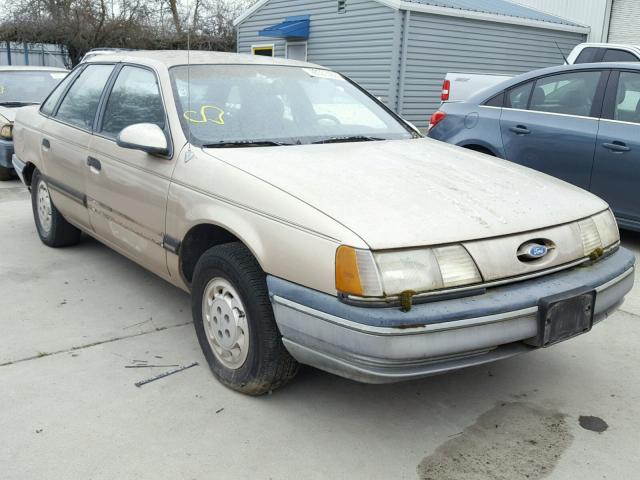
(566, 62)
(189, 153)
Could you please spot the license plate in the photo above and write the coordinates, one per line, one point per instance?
(564, 316)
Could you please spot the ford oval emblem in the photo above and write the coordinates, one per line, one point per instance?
(537, 251)
(534, 250)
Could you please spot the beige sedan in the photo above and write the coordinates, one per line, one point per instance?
(310, 223)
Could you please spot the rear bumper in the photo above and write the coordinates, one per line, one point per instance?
(381, 345)
(6, 152)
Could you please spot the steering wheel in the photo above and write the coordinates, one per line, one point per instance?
(326, 117)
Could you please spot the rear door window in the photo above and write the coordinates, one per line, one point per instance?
(569, 93)
(50, 103)
(135, 98)
(518, 97)
(627, 108)
(614, 55)
(80, 104)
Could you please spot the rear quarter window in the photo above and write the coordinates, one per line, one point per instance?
(588, 55)
(496, 101)
(614, 55)
(80, 104)
(50, 103)
(518, 97)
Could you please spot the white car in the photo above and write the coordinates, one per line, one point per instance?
(20, 86)
(458, 87)
(310, 223)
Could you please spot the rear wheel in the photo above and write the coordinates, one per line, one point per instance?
(52, 227)
(234, 322)
(478, 148)
(6, 174)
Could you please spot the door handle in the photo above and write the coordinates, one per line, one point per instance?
(617, 147)
(45, 144)
(520, 130)
(94, 164)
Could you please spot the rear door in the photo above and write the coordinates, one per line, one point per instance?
(65, 140)
(127, 189)
(616, 171)
(551, 123)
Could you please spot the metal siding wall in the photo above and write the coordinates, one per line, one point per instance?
(625, 22)
(439, 44)
(591, 13)
(359, 43)
(53, 56)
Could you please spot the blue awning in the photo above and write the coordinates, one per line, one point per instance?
(292, 27)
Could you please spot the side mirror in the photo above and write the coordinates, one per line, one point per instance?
(147, 137)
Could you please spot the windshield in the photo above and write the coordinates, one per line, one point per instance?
(275, 105)
(27, 86)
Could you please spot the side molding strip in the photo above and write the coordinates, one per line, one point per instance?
(67, 191)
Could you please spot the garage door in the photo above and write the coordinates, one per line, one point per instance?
(625, 22)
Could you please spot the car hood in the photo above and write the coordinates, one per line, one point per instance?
(406, 193)
(8, 113)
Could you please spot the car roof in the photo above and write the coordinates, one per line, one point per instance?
(170, 58)
(609, 45)
(29, 68)
(494, 90)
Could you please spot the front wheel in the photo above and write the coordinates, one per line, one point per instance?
(53, 228)
(235, 324)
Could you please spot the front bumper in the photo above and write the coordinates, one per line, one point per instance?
(6, 152)
(19, 167)
(382, 345)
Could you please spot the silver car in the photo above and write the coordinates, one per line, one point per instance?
(310, 223)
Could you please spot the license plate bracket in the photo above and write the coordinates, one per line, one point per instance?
(564, 316)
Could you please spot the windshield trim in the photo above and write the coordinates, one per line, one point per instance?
(403, 123)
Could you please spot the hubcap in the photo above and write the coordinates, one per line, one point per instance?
(43, 205)
(225, 323)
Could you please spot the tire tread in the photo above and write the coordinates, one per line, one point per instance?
(277, 367)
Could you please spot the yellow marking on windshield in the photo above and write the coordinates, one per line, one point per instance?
(2, 89)
(189, 115)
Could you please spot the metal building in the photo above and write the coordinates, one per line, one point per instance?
(35, 54)
(400, 50)
(624, 26)
(613, 21)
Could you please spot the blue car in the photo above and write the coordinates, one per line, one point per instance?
(579, 123)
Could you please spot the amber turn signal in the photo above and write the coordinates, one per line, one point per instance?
(347, 273)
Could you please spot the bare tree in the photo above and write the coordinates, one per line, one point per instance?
(80, 25)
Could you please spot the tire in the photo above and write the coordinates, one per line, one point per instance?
(6, 174)
(231, 283)
(53, 229)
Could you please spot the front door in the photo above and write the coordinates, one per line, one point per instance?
(616, 171)
(66, 141)
(550, 124)
(127, 189)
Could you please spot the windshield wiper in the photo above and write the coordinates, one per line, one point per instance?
(354, 138)
(246, 143)
(17, 104)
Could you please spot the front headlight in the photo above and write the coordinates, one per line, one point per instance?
(599, 232)
(6, 131)
(366, 274)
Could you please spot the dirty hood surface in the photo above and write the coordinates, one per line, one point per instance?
(419, 192)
